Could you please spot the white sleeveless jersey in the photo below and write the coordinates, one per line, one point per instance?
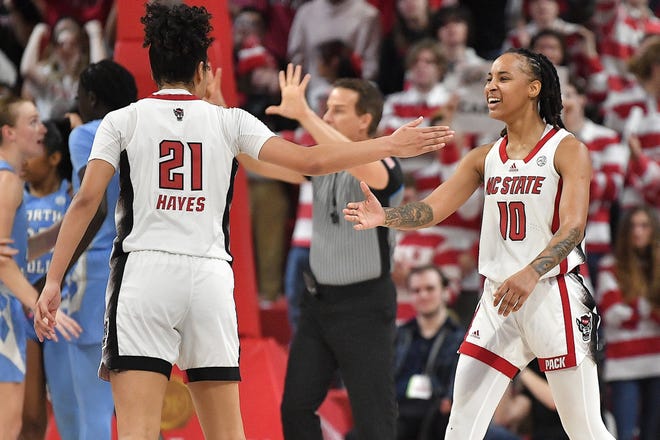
(176, 158)
(521, 209)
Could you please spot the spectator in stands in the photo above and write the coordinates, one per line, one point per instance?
(629, 297)
(52, 82)
(425, 95)
(544, 14)
(640, 127)
(17, 20)
(589, 68)
(426, 357)
(622, 26)
(81, 11)
(609, 159)
(355, 22)
(336, 60)
(452, 26)
(412, 24)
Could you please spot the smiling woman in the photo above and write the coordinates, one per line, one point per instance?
(528, 253)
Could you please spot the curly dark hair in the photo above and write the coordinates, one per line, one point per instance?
(541, 69)
(178, 40)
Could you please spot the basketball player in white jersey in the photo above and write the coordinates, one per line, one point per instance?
(536, 180)
(170, 292)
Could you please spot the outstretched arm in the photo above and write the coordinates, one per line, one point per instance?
(294, 106)
(574, 166)
(440, 204)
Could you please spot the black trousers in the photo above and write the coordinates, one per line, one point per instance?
(350, 328)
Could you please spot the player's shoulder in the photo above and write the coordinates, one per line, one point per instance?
(570, 144)
(479, 153)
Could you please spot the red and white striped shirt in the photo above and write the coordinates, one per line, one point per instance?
(642, 183)
(609, 161)
(632, 331)
(621, 29)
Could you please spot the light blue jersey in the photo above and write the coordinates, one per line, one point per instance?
(12, 319)
(42, 213)
(84, 290)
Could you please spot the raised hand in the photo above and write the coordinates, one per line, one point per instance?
(366, 214)
(45, 312)
(213, 90)
(292, 87)
(411, 140)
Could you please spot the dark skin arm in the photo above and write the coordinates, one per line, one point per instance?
(90, 233)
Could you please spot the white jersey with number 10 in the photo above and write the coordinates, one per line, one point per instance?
(521, 209)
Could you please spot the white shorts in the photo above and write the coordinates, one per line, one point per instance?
(163, 309)
(557, 324)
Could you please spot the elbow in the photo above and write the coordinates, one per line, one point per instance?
(313, 165)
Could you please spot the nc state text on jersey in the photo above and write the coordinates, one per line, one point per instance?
(514, 185)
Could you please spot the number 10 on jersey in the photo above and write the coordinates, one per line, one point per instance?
(513, 222)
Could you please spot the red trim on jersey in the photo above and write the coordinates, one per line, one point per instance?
(504, 156)
(489, 358)
(540, 144)
(174, 97)
(570, 358)
(555, 216)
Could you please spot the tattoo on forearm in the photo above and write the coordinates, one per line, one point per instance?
(412, 215)
(552, 256)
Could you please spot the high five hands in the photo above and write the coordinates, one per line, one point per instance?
(408, 140)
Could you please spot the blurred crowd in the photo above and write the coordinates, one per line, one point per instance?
(430, 58)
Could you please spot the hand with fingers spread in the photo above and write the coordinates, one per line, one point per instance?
(515, 290)
(292, 87)
(366, 214)
(213, 88)
(45, 312)
(6, 251)
(67, 327)
(411, 140)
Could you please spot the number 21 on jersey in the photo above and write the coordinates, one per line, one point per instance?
(174, 152)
